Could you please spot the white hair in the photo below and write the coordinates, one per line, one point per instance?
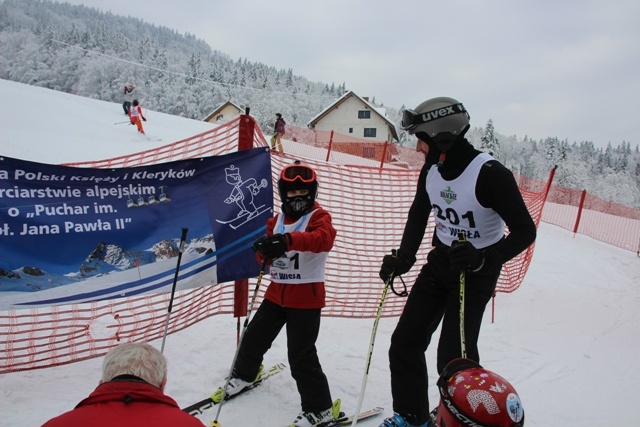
(139, 359)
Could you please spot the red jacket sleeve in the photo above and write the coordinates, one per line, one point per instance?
(319, 235)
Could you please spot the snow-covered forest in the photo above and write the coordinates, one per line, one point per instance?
(88, 52)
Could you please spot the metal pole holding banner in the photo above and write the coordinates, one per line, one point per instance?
(173, 289)
(246, 130)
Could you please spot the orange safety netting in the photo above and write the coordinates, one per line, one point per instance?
(584, 213)
(368, 205)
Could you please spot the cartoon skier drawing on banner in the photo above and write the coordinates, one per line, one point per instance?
(243, 195)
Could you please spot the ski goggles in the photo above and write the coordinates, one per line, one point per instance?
(411, 119)
(298, 172)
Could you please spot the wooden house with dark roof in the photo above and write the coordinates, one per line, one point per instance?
(224, 113)
(355, 116)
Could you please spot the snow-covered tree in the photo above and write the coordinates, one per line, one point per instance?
(490, 143)
(91, 53)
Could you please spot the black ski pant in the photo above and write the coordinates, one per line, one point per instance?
(303, 326)
(126, 105)
(435, 297)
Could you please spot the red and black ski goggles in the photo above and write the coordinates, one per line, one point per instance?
(301, 173)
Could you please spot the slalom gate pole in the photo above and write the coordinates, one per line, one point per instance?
(215, 422)
(463, 278)
(387, 284)
(173, 289)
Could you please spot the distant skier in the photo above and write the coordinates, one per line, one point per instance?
(128, 97)
(135, 114)
(278, 133)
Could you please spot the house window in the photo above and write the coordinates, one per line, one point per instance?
(369, 152)
(350, 130)
(364, 114)
(369, 132)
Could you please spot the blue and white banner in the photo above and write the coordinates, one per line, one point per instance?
(71, 235)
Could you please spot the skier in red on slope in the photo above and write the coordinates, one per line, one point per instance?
(135, 114)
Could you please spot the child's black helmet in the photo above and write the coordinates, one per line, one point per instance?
(297, 177)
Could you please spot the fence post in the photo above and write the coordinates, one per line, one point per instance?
(246, 130)
(580, 207)
(329, 149)
(384, 155)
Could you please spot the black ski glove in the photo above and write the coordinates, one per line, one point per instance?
(399, 262)
(272, 247)
(464, 256)
(144, 119)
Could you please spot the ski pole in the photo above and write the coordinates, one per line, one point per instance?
(462, 237)
(173, 289)
(121, 123)
(387, 284)
(215, 422)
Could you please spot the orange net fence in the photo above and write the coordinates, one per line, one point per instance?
(368, 204)
(335, 145)
(584, 213)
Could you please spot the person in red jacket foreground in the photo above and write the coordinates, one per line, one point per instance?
(296, 246)
(135, 114)
(130, 394)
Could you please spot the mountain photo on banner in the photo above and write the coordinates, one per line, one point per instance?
(80, 234)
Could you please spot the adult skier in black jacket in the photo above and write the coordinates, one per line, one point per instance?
(468, 191)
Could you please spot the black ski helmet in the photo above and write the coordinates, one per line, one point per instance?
(297, 176)
(440, 121)
(135, 102)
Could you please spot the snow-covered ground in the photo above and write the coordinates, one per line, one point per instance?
(567, 340)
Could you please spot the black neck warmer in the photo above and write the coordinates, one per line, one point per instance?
(456, 158)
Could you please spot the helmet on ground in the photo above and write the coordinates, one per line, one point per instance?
(297, 177)
(473, 396)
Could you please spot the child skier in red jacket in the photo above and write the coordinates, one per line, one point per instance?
(297, 245)
(135, 114)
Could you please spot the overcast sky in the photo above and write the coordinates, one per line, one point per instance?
(540, 68)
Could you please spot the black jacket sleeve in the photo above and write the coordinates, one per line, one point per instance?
(497, 189)
(418, 216)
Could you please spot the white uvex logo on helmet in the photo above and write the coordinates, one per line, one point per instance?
(441, 112)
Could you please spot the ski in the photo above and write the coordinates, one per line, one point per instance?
(152, 138)
(345, 420)
(201, 406)
(244, 217)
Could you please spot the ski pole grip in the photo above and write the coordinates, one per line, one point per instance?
(183, 238)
